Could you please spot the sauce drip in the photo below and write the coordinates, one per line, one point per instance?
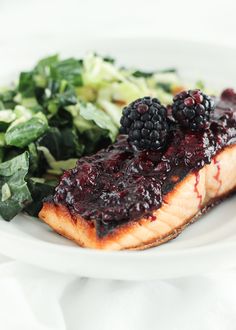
(199, 196)
(217, 176)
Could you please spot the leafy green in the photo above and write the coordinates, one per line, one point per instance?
(165, 86)
(7, 99)
(68, 70)
(59, 111)
(94, 125)
(91, 113)
(26, 84)
(148, 74)
(143, 74)
(6, 192)
(39, 191)
(62, 144)
(56, 167)
(109, 59)
(46, 62)
(24, 133)
(14, 193)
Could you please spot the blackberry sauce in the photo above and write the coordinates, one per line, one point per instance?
(120, 184)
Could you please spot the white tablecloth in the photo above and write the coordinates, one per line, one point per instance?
(35, 299)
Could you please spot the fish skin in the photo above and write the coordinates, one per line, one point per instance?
(181, 206)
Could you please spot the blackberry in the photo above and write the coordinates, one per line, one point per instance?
(192, 109)
(145, 122)
(229, 95)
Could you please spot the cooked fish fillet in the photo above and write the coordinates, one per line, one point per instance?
(183, 204)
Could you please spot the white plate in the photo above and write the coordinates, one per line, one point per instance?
(207, 245)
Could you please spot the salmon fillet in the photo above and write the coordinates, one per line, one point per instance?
(122, 198)
(180, 207)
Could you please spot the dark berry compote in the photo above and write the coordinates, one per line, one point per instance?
(127, 181)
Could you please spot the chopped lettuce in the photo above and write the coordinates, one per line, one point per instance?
(7, 116)
(93, 114)
(56, 167)
(99, 72)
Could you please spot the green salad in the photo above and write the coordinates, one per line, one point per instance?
(60, 111)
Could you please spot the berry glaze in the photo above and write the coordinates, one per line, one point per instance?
(121, 184)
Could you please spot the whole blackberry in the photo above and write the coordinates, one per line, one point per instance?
(192, 109)
(145, 122)
(229, 94)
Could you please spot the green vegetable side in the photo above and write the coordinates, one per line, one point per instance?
(60, 111)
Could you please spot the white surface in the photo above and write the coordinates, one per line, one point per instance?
(205, 246)
(33, 299)
(190, 19)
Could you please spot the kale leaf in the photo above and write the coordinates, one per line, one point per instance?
(14, 192)
(24, 133)
(39, 191)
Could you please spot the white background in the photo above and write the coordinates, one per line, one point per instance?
(210, 20)
(40, 300)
